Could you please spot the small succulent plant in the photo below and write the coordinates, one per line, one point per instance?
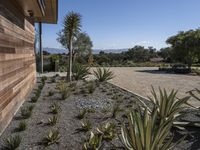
(107, 131)
(52, 137)
(64, 89)
(12, 143)
(116, 109)
(51, 93)
(85, 126)
(53, 120)
(91, 86)
(34, 99)
(21, 126)
(55, 108)
(94, 142)
(81, 114)
(26, 112)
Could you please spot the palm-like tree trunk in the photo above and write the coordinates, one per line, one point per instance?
(69, 70)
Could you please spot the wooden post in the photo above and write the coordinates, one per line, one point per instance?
(40, 47)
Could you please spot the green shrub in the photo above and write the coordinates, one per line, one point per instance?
(80, 72)
(93, 143)
(12, 142)
(22, 126)
(103, 74)
(26, 112)
(52, 137)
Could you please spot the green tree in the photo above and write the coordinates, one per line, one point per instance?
(71, 28)
(166, 54)
(186, 46)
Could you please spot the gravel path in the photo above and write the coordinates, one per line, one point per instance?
(139, 80)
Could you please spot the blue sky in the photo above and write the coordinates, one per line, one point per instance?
(114, 24)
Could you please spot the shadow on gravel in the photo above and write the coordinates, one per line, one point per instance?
(192, 138)
(159, 72)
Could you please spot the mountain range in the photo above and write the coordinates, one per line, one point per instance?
(95, 51)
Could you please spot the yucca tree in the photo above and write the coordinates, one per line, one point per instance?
(71, 28)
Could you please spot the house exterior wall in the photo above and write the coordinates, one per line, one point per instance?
(17, 60)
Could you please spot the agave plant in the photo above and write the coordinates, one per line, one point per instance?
(53, 120)
(52, 137)
(144, 133)
(195, 94)
(80, 72)
(107, 131)
(94, 142)
(103, 74)
(85, 126)
(81, 114)
(12, 142)
(168, 105)
(55, 108)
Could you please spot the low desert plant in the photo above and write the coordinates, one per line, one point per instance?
(107, 131)
(40, 87)
(168, 106)
(34, 99)
(80, 72)
(55, 108)
(53, 120)
(116, 109)
(103, 74)
(85, 126)
(51, 93)
(91, 86)
(38, 93)
(81, 114)
(21, 126)
(195, 94)
(12, 142)
(43, 79)
(144, 133)
(26, 112)
(64, 90)
(94, 142)
(52, 137)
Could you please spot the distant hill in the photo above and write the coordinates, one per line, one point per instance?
(95, 51)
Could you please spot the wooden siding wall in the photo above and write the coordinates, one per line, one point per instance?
(17, 60)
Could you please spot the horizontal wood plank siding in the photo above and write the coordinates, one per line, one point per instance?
(17, 60)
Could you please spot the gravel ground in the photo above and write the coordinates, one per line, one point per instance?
(99, 104)
(140, 79)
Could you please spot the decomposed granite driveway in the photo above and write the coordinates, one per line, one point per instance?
(139, 81)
